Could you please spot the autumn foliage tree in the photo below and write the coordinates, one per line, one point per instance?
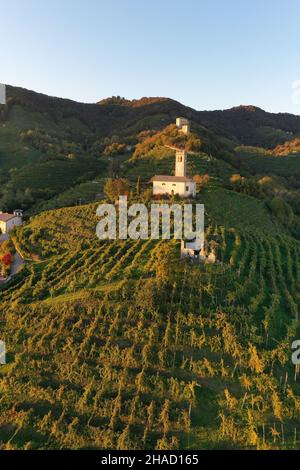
(7, 259)
(116, 187)
(201, 181)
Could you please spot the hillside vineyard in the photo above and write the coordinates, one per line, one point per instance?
(148, 344)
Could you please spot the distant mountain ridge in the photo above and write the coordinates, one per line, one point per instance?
(248, 125)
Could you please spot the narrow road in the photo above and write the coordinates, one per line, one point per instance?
(17, 264)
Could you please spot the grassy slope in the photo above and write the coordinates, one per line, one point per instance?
(257, 163)
(44, 175)
(12, 153)
(90, 349)
(229, 208)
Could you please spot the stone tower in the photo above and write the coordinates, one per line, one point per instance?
(180, 167)
(184, 125)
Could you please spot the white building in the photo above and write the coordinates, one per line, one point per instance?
(184, 125)
(179, 184)
(193, 249)
(9, 221)
(2, 94)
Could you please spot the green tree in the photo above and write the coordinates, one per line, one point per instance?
(114, 188)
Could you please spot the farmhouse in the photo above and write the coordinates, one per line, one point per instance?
(179, 184)
(9, 221)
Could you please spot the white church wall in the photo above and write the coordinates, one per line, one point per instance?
(166, 187)
(184, 189)
(190, 189)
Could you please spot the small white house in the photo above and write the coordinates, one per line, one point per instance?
(193, 249)
(9, 221)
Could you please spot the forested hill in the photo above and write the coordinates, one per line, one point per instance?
(247, 124)
(104, 118)
(251, 125)
(43, 139)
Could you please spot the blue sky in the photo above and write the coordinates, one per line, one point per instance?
(211, 54)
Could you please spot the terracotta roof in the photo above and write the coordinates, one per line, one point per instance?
(175, 179)
(5, 217)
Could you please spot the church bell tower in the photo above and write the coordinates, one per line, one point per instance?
(180, 167)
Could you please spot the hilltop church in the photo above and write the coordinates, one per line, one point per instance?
(179, 184)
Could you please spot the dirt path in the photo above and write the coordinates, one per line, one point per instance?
(17, 264)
